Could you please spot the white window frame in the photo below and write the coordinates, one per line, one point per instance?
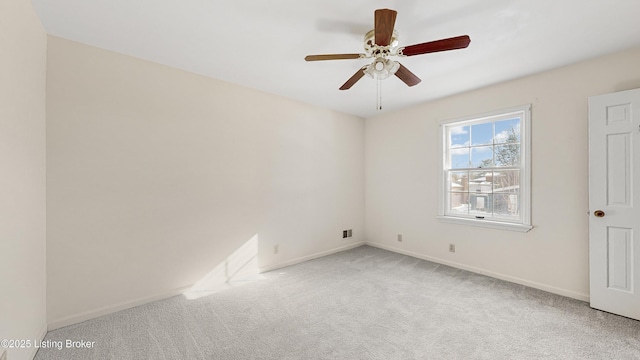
(522, 225)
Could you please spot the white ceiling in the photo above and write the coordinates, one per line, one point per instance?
(262, 44)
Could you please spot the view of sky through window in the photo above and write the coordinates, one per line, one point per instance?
(473, 146)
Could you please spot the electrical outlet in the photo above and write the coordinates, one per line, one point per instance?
(452, 247)
(276, 248)
(399, 237)
(349, 233)
(4, 355)
(345, 234)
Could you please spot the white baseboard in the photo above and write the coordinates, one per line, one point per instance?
(39, 339)
(92, 314)
(88, 315)
(310, 257)
(533, 284)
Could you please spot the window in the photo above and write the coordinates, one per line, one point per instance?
(486, 170)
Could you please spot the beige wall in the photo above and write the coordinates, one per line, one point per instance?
(22, 176)
(156, 175)
(402, 161)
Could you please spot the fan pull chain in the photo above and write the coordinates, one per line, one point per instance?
(379, 95)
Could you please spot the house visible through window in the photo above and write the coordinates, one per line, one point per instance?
(486, 170)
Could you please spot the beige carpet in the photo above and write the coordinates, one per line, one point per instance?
(364, 303)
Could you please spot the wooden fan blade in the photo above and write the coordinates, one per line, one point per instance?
(385, 20)
(352, 80)
(458, 42)
(407, 76)
(333, 57)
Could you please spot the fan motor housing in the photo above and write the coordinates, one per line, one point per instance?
(375, 50)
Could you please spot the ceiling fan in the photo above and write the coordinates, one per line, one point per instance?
(382, 42)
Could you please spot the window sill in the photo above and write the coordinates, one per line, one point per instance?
(486, 223)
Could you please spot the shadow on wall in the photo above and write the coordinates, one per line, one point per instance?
(239, 268)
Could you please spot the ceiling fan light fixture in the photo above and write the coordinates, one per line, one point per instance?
(381, 43)
(381, 68)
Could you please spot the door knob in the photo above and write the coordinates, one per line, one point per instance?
(598, 213)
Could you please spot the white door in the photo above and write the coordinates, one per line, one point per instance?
(614, 202)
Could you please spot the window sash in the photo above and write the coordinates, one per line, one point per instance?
(469, 191)
(501, 206)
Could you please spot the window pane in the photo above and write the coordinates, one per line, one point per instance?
(482, 134)
(507, 131)
(459, 203)
(506, 181)
(459, 158)
(480, 181)
(482, 156)
(480, 204)
(459, 136)
(507, 155)
(486, 170)
(458, 181)
(506, 205)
